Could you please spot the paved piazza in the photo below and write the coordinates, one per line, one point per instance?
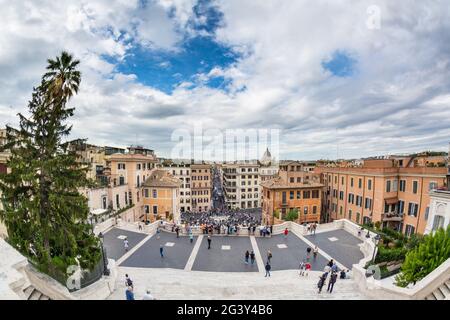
(113, 242)
(226, 255)
(289, 257)
(176, 252)
(340, 245)
(227, 252)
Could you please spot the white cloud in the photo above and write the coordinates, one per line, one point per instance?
(397, 100)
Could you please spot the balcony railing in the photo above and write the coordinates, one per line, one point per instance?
(392, 216)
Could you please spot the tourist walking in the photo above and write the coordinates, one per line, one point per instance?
(128, 281)
(268, 267)
(331, 262)
(307, 268)
(314, 227)
(315, 252)
(191, 237)
(327, 269)
(331, 282)
(140, 227)
(161, 251)
(308, 253)
(158, 231)
(301, 268)
(247, 256)
(252, 257)
(177, 230)
(286, 231)
(129, 293)
(209, 242)
(269, 255)
(148, 296)
(321, 282)
(126, 244)
(334, 268)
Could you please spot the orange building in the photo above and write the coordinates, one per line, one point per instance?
(201, 187)
(161, 196)
(131, 169)
(381, 190)
(294, 188)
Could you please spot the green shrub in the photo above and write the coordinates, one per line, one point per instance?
(432, 251)
(276, 214)
(386, 255)
(292, 215)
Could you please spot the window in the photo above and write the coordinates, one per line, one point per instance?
(298, 194)
(117, 201)
(369, 184)
(291, 195)
(341, 195)
(415, 186)
(350, 214)
(138, 181)
(138, 166)
(126, 198)
(315, 194)
(121, 181)
(340, 210)
(432, 186)
(438, 222)
(427, 212)
(342, 180)
(299, 179)
(401, 206)
(306, 194)
(154, 193)
(388, 186)
(314, 210)
(147, 209)
(305, 210)
(368, 203)
(412, 209)
(146, 193)
(335, 179)
(360, 183)
(284, 196)
(402, 186)
(409, 230)
(104, 202)
(351, 182)
(394, 185)
(155, 210)
(357, 217)
(291, 180)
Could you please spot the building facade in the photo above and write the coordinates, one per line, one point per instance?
(161, 196)
(241, 185)
(381, 191)
(201, 187)
(183, 173)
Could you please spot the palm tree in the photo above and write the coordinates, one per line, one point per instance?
(62, 79)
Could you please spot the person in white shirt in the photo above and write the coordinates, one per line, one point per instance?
(125, 244)
(148, 296)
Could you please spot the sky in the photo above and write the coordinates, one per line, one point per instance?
(338, 79)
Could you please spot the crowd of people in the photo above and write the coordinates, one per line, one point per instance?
(223, 221)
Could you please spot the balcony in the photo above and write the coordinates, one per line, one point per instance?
(392, 216)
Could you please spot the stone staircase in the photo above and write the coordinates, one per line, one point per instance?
(31, 293)
(169, 284)
(441, 293)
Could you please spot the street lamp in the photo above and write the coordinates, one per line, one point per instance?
(106, 271)
(377, 240)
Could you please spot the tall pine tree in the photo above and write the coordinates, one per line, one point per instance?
(44, 213)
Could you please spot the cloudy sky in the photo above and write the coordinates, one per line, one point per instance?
(338, 78)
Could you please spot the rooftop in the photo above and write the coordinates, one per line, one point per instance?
(162, 178)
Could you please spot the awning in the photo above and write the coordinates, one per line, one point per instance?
(391, 200)
(97, 212)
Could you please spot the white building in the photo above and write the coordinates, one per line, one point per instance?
(182, 171)
(241, 185)
(439, 215)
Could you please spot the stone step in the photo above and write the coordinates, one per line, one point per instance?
(44, 297)
(35, 295)
(28, 291)
(445, 291)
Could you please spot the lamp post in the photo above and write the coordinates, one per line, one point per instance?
(377, 240)
(106, 271)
